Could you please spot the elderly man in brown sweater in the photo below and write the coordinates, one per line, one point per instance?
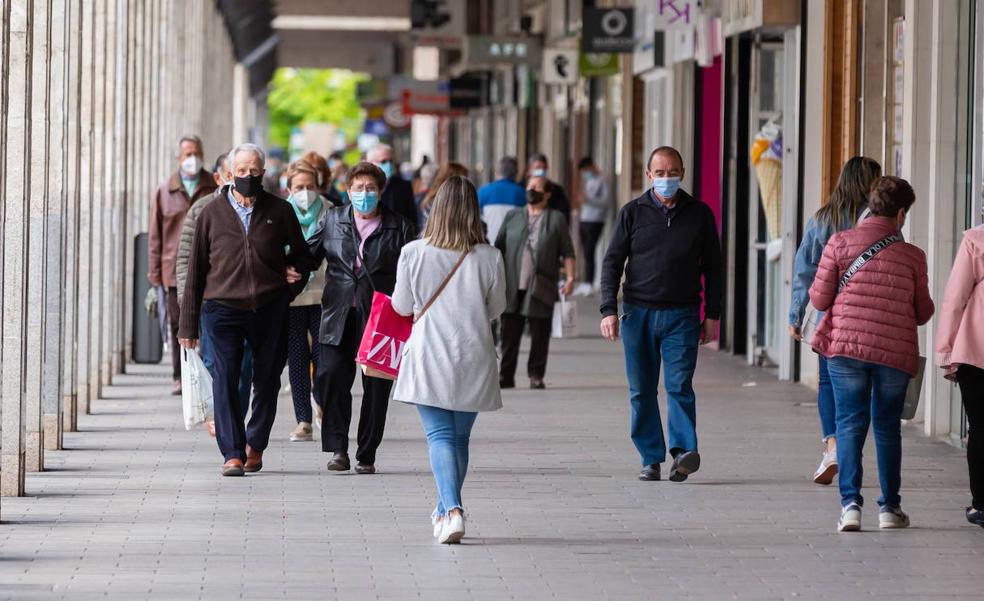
(240, 283)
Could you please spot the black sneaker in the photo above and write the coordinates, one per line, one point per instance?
(684, 464)
(650, 472)
(975, 516)
(504, 384)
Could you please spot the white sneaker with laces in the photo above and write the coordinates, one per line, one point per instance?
(453, 530)
(892, 517)
(850, 520)
(827, 469)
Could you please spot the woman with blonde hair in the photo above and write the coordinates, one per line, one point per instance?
(454, 284)
(447, 171)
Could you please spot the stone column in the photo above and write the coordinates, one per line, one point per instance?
(37, 197)
(13, 331)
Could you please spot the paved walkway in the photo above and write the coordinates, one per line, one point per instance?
(136, 508)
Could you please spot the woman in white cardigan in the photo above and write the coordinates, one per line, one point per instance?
(449, 368)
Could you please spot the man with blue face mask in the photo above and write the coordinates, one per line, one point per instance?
(666, 243)
(397, 195)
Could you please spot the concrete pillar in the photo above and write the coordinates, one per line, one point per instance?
(73, 181)
(13, 330)
(37, 195)
(54, 299)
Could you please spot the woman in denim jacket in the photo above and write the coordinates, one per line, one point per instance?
(846, 204)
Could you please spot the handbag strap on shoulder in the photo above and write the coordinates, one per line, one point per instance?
(866, 256)
(443, 285)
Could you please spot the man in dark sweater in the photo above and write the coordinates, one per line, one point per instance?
(241, 282)
(665, 241)
(398, 193)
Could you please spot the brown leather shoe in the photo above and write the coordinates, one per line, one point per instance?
(233, 467)
(254, 460)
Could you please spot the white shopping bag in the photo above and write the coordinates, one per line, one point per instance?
(196, 389)
(565, 320)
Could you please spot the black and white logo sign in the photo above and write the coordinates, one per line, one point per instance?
(559, 66)
(608, 30)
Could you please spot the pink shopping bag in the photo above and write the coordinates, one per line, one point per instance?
(383, 340)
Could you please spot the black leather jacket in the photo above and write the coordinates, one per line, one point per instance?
(335, 241)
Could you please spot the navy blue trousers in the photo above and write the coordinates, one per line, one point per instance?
(265, 330)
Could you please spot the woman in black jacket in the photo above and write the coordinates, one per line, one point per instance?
(361, 243)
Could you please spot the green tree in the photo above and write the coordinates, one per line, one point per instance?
(314, 95)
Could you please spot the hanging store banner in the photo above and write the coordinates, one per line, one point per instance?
(672, 14)
(560, 66)
(598, 64)
(426, 97)
(608, 30)
(489, 51)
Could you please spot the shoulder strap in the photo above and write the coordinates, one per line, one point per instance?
(866, 256)
(362, 259)
(443, 285)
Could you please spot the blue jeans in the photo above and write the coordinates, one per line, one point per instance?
(245, 370)
(825, 401)
(670, 336)
(868, 393)
(447, 443)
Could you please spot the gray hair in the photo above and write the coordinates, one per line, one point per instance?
(193, 139)
(508, 168)
(373, 152)
(246, 147)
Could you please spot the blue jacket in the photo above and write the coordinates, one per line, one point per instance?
(502, 192)
(808, 255)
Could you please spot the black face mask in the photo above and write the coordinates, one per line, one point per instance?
(250, 185)
(534, 197)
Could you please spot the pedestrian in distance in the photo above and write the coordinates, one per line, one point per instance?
(873, 288)
(596, 205)
(185, 187)
(846, 204)
(397, 193)
(304, 315)
(222, 175)
(360, 243)
(445, 172)
(453, 283)
(960, 352)
(664, 242)
(497, 198)
(539, 167)
(240, 282)
(535, 241)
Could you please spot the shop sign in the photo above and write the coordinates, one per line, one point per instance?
(608, 30)
(394, 116)
(598, 64)
(372, 91)
(560, 66)
(487, 50)
(674, 14)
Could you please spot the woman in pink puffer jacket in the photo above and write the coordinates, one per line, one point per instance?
(869, 338)
(960, 352)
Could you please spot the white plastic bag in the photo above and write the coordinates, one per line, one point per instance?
(565, 319)
(196, 389)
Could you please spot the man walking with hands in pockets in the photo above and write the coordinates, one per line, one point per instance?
(665, 242)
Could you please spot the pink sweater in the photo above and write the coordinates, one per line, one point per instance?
(960, 334)
(875, 317)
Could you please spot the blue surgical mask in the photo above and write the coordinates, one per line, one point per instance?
(666, 186)
(587, 176)
(364, 202)
(387, 167)
(538, 173)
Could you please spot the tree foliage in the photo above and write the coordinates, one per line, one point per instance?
(314, 95)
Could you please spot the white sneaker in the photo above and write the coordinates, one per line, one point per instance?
(827, 469)
(453, 530)
(850, 520)
(892, 517)
(438, 522)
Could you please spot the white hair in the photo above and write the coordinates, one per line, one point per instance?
(246, 147)
(377, 149)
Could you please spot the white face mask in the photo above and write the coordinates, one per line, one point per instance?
(191, 166)
(303, 198)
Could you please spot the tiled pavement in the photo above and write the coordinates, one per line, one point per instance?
(135, 509)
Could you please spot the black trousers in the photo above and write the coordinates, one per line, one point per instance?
(266, 331)
(334, 378)
(971, 382)
(590, 234)
(173, 317)
(302, 322)
(512, 334)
